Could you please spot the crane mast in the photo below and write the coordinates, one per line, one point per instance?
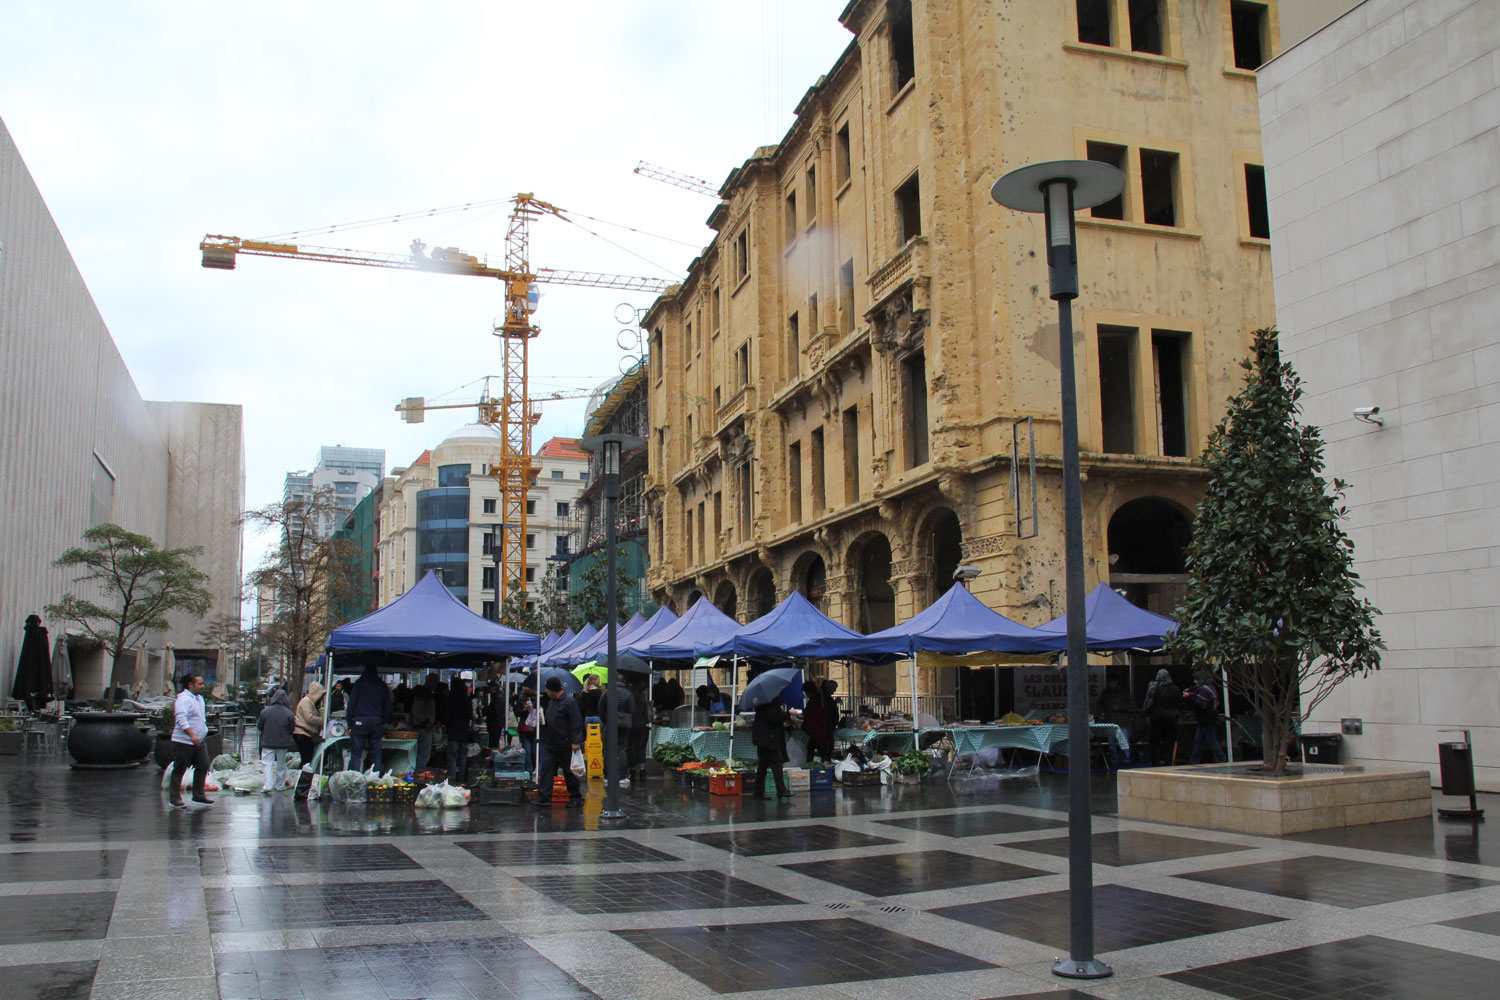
(511, 409)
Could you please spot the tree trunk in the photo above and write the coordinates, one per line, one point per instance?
(1275, 728)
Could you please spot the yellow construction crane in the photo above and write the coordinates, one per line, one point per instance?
(414, 408)
(512, 408)
(677, 179)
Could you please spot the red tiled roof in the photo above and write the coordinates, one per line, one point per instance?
(559, 447)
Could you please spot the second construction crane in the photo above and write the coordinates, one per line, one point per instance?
(511, 409)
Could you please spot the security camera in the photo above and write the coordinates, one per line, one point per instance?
(966, 572)
(1367, 414)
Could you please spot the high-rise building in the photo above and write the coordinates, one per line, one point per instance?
(846, 386)
(348, 474)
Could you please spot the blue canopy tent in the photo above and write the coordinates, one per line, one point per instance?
(598, 646)
(702, 628)
(1114, 623)
(647, 633)
(549, 641)
(557, 656)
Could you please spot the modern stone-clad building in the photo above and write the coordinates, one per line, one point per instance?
(842, 383)
(1383, 170)
(79, 446)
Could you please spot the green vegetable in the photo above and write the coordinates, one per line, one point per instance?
(673, 754)
(914, 761)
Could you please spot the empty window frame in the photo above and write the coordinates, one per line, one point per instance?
(656, 355)
(1249, 24)
(746, 500)
(1117, 389)
(489, 506)
(1159, 187)
(718, 519)
(742, 254)
(531, 506)
(812, 315)
(791, 216)
(1169, 356)
(815, 456)
(842, 155)
(1118, 157)
(851, 455)
(531, 574)
(562, 508)
(794, 482)
(742, 364)
(687, 539)
(530, 541)
(811, 208)
(846, 295)
(1094, 26)
(903, 46)
(718, 311)
(793, 345)
(914, 409)
(1147, 26)
(487, 578)
(1257, 211)
(702, 529)
(718, 398)
(101, 493)
(909, 210)
(689, 347)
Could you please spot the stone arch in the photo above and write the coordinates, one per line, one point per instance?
(869, 562)
(726, 598)
(1147, 539)
(692, 597)
(810, 577)
(760, 592)
(938, 546)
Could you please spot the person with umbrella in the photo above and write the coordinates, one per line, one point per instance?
(768, 732)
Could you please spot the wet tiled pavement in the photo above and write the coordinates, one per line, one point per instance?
(957, 891)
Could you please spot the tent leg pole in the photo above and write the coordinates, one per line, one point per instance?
(1228, 733)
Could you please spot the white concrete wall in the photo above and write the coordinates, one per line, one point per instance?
(65, 395)
(1383, 170)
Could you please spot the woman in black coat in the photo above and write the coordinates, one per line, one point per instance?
(769, 735)
(460, 719)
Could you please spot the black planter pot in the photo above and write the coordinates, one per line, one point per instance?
(162, 754)
(108, 740)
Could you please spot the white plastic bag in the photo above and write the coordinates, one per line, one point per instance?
(430, 798)
(796, 753)
(210, 784)
(577, 765)
(453, 797)
(347, 786)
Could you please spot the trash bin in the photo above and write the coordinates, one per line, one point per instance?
(1456, 766)
(1321, 748)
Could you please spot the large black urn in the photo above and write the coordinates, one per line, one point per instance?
(108, 740)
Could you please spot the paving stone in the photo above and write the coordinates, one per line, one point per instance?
(286, 907)
(647, 892)
(303, 858)
(1337, 881)
(61, 866)
(67, 916)
(918, 871)
(51, 981)
(787, 840)
(573, 851)
(1131, 847)
(979, 823)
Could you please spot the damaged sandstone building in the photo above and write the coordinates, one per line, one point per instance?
(845, 389)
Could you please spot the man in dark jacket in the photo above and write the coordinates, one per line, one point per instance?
(460, 720)
(368, 711)
(275, 725)
(561, 733)
(1203, 699)
(624, 720)
(1163, 701)
(769, 735)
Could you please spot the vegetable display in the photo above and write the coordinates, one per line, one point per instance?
(673, 754)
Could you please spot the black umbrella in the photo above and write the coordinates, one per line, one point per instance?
(767, 686)
(34, 668)
(538, 679)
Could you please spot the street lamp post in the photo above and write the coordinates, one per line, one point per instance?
(610, 447)
(1057, 190)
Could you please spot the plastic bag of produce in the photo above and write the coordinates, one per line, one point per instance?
(577, 766)
(347, 786)
(225, 762)
(453, 797)
(210, 784)
(430, 797)
(246, 780)
(293, 760)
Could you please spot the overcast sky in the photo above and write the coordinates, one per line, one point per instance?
(148, 124)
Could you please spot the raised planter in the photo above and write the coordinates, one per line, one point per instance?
(11, 742)
(106, 740)
(1225, 797)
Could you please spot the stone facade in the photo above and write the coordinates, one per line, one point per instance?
(79, 446)
(1383, 165)
(837, 385)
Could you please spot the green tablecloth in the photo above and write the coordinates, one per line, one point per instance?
(398, 756)
(1049, 738)
(714, 744)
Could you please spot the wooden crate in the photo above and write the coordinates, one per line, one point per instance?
(856, 778)
(725, 784)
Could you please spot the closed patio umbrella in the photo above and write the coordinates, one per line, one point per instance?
(33, 683)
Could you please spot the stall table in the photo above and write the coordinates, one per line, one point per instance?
(398, 756)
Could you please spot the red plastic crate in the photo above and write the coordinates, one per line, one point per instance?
(724, 784)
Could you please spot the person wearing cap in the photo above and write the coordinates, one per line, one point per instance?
(561, 733)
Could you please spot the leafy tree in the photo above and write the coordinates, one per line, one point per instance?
(589, 602)
(139, 586)
(551, 613)
(1272, 593)
(308, 574)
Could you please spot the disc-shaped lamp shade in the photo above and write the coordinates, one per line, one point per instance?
(1094, 183)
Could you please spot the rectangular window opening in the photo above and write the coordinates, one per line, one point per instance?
(488, 610)
(489, 506)
(794, 482)
(903, 47)
(812, 315)
(1248, 23)
(101, 494)
(815, 460)
(791, 216)
(1255, 201)
(1159, 179)
(1115, 156)
(531, 506)
(718, 310)
(842, 155)
(742, 364)
(562, 508)
(487, 578)
(793, 346)
(909, 210)
(812, 192)
(1146, 26)
(531, 574)
(718, 519)
(851, 455)
(846, 295)
(1093, 22)
(746, 500)
(1117, 388)
(914, 415)
(688, 537)
(742, 254)
(530, 541)
(1168, 351)
(702, 529)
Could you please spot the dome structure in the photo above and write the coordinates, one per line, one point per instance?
(485, 433)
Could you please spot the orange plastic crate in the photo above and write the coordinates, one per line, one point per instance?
(724, 784)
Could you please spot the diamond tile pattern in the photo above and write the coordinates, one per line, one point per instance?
(59, 866)
(52, 981)
(983, 823)
(300, 858)
(285, 907)
(1132, 847)
(786, 840)
(1337, 881)
(600, 851)
(647, 891)
(920, 871)
(1123, 917)
(502, 967)
(1482, 923)
(64, 916)
(1354, 969)
(743, 957)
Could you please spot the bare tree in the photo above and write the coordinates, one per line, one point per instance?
(308, 574)
(229, 635)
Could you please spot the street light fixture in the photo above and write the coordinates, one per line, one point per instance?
(610, 447)
(1058, 189)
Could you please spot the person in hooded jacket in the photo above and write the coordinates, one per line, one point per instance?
(275, 725)
(307, 722)
(1163, 702)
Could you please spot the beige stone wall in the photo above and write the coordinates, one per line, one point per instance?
(1384, 171)
(997, 85)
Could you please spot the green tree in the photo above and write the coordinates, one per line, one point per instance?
(589, 601)
(1272, 596)
(139, 586)
(550, 598)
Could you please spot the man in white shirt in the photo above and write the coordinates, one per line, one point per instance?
(188, 741)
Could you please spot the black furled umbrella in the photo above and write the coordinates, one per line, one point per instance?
(34, 669)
